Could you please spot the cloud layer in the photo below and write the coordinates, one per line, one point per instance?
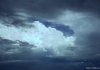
(18, 23)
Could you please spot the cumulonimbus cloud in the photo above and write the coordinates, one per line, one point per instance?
(44, 38)
(84, 44)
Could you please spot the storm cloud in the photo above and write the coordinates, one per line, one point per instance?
(82, 16)
(47, 8)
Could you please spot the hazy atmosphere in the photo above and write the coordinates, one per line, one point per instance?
(49, 30)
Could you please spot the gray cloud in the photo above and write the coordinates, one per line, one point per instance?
(48, 8)
(15, 50)
(85, 26)
(87, 39)
(45, 9)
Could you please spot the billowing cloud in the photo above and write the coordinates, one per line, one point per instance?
(17, 24)
(44, 38)
(84, 44)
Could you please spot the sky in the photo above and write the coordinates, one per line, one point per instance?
(31, 29)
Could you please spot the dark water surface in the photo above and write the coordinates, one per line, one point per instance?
(46, 65)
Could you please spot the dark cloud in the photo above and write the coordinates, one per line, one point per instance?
(15, 50)
(48, 9)
(91, 45)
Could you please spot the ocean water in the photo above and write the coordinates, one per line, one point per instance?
(49, 65)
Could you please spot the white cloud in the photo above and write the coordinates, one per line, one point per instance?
(39, 35)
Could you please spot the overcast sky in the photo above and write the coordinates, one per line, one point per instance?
(49, 28)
